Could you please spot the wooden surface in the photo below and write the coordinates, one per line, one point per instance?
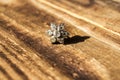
(91, 53)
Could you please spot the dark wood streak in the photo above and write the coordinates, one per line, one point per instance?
(5, 73)
(14, 66)
(87, 3)
(12, 53)
(91, 3)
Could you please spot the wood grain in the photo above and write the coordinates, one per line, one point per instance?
(91, 53)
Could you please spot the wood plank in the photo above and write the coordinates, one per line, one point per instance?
(92, 53)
